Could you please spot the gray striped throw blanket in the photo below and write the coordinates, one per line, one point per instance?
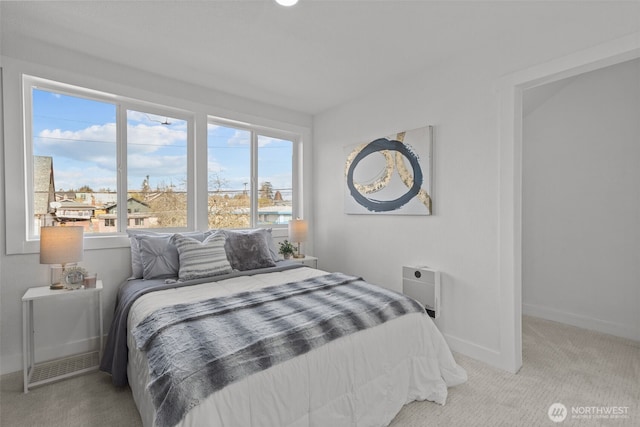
(198, 348)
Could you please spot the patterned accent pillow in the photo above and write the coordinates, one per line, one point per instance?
(137, 268)
(201, 259)
(247, 251)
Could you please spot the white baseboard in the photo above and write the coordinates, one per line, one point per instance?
(586, 322)
(475, 351)
(13, 363)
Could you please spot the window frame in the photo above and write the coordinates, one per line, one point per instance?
(122, 105)
(282, 124)
(255, 131)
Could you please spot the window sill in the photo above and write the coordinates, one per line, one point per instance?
(112, 241)
(90, 243)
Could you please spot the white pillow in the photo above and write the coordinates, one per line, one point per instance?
(201, 259)
(159, 257)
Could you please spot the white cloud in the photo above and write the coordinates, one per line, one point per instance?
(213, 166)
(88, 156)
(94, 177)
(97, 143)
(86, 145)
(266, 140)
(240, 137)
(148, 139)
(139, 164)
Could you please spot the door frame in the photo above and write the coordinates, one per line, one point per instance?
(510, 92)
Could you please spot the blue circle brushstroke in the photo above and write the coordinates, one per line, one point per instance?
(374, 205)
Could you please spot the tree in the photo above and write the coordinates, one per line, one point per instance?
(266, 190)
(170, 207)
(217, 182)
(145, 185)
(226, 211)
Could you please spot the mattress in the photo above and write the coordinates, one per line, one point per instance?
(361, 379)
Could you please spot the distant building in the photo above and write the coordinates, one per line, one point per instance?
(43, 191)
(95, 211)
(275, 214)
(70, 210)
(138, 216)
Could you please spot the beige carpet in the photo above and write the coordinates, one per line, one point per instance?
(562, 364)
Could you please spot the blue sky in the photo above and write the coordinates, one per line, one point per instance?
(80, 135)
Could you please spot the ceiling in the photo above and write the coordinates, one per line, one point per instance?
(315, 55)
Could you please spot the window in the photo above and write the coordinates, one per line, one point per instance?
(229, 158)
(109, 162)
(74, 158)
(275, 180)
(157, 168)
(75, 138)
(250, 178)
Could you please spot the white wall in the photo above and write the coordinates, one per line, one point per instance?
(63, 327)
(581, 202)
(462, 239)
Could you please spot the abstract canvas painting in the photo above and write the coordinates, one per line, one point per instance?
(390, 175)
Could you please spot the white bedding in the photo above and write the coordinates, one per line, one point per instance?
(362, 379)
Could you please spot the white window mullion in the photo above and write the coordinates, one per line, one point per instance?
(199, 183)
(27, 97)
(254, 179)
(121, 141)
(296, 182)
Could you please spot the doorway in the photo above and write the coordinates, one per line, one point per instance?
(510, 210)
(580, 200)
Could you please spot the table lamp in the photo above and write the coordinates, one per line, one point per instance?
(60, 245)
(298, 229)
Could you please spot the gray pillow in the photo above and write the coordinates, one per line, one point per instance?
(136, 260)
(266, 232)
(272, 245)
(158, 255)
(247, 250)
(201, 259)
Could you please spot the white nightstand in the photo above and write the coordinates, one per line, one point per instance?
(308, 260)
(62, 368)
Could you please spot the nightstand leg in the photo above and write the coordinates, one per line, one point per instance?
(28, 357)
(32, 344)
(25, 338)
(100, 325)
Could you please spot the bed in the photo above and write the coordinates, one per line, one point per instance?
(347, 370)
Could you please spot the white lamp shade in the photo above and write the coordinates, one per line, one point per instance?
(61, 245)
(298, 229)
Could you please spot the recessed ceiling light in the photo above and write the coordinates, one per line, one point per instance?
(286, 2)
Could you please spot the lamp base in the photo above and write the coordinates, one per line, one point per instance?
(58, 275)
(299, 255)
